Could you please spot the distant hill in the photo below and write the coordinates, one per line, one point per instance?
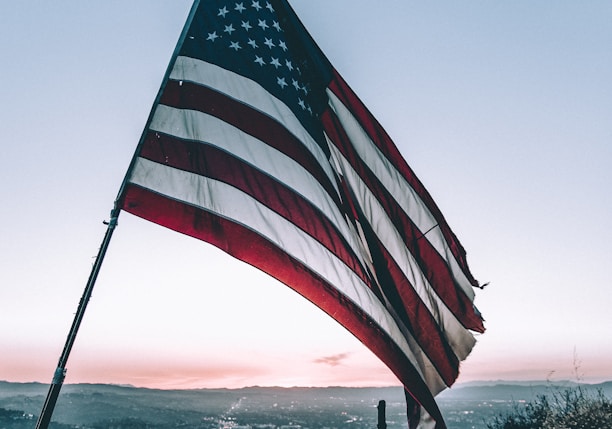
(98, 406)
(516, 390)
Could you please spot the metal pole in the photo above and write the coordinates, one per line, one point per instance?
(60, 372)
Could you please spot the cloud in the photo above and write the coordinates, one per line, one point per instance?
(333, 360)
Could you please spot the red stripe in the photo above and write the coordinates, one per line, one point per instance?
(247, 246)
(212, 162)
(429, 260)
(187, 95)
(384, 143)
(415, 315)
(410, 308)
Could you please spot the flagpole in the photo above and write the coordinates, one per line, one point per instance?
(175, 53)
(60, 371)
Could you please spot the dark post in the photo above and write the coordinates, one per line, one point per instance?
(382, 419)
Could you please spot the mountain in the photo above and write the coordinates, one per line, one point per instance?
(517, 390)
(98, 406)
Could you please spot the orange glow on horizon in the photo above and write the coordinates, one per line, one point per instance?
(347, 369)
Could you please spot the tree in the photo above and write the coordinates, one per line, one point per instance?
(567, 409)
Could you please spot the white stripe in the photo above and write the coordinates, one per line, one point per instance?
(399, 188)
(229, 202)
(250, 93)
(201, 127)
(459, 338)
(426, 421)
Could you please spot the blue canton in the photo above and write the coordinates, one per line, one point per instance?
(248, 38)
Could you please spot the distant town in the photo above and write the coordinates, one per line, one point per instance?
(98, 406)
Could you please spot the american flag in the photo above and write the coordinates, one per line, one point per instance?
(257, 145)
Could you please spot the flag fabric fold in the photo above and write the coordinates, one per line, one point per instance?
(258, 146)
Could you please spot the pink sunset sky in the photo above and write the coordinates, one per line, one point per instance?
(502, 109)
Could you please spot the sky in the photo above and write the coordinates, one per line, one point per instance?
(503, 110)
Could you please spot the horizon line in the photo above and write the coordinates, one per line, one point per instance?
(457, 385)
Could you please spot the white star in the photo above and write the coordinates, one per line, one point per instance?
(282, 44)
(253, 43)
(212, 36)
(281, 82)
(275, 62)
(289, 65)
(302, 104)
(256, 5)
(276, 25)
(262, 23)
(235, 46)
(246, 25)
(269, 43)
(240, 7)
(229, 29)
(223, 12)
(295, 84)
(259, 60)
(269, 6)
